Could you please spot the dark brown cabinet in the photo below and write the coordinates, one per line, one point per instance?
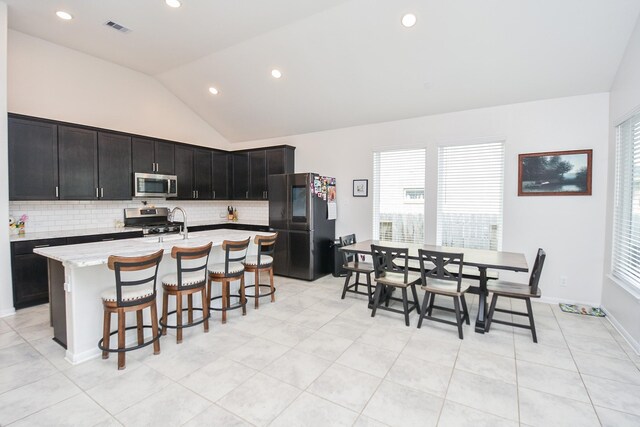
(77, 163)
(251, 169)
(220, 175)
(202, 174)
(29, 272)
(240, 176)
(257, 175)
(33, 160)
(184, 172)
(151, 156)
(114, 166)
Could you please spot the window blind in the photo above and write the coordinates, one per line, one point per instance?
(626, 211)
(470, 187)
(398, 195)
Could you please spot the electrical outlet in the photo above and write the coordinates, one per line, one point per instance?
(563, 281)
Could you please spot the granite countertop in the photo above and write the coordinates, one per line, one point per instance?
(97, 253)
(109, 230)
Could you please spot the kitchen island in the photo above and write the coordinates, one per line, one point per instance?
(78, 274)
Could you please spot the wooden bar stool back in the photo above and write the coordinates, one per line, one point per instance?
(263, 261)
(442, 275)
(352, 265)
(134, 294)
(231, 270)
(190, 278)
(392, 271)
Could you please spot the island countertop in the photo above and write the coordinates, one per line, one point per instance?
(97, 253)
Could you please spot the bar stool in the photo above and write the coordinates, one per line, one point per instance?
(263, 261)
(351, 264)
(130, 295)
(186, 281)
(231, 270)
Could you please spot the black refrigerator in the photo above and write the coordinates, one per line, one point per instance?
(302, 211)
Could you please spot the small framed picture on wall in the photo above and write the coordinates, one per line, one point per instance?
(360, 187)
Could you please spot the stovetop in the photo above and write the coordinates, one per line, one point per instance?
(151, 220)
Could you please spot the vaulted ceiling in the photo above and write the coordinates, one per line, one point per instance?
(346, 62)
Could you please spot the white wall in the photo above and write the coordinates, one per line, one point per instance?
(6, 294)
(51, 81)
(570, 229)
(622, 306)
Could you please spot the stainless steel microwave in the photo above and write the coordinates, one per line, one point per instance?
(154, 185)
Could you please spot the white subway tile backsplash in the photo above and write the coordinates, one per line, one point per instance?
(78, 215)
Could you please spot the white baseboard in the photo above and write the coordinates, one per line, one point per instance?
(7, 312)
(554, 300)
(635, 345)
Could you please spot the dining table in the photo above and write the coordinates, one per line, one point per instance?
(482, 259)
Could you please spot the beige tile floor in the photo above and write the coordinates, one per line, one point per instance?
(312, 359)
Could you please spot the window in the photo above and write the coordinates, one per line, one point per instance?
(470, 186)
(398, 195)
(626, 210)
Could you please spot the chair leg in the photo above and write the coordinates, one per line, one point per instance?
(179, 318)
(257, 289)
(106, 331)
(369, 289)
(165, 309)
(346, 284)
(121, 331)
(273, 287)
(456, 304)
(464, 307)
(243, 298)
(225, 283)
(423, 312)
(205, 308)
(357, 280)
(431, 303)
(531, 322)
(405, 305)
(489, 317)
(154, 328)
(139, 326)
(376, 299)
(190, 308)
(415, 298)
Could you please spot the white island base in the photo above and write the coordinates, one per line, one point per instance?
(78, 274)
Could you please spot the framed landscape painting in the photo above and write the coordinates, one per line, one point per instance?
(557, 173)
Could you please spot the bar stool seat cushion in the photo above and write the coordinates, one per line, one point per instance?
(188, 279)
(397, 279)
(127, 294)
(234, 267)
(253, 260)
(445, 287)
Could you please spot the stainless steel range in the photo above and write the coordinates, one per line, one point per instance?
(151, 220)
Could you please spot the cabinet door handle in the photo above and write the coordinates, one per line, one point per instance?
(57, 192)
(41, 246)
(214, 194)
(101, 193)
(97, 192)
(107, 239)
(246, 196)
(197, 194)
(157, 167)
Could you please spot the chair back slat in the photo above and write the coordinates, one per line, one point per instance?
(234, 251)
(266, 245)
(443, 266)
(120, 264)
(199, 261)
(347, 240)
(386, 260)
(536, 271)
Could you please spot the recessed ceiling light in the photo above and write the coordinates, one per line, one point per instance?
(276, 73)
(409, 20)
(213, 90)
(64, 15)
(173, 3)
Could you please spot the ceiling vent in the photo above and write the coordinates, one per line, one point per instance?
(117, 27)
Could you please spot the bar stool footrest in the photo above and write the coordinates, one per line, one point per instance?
(231, 307)
(261, 295)
(186, 325)
(123, 350)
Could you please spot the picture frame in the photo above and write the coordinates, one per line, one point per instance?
(360, 187)
(555, 173)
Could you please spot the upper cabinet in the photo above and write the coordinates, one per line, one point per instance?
(202, 174)
(240, 176)
(184, 172)
(251, 168)
(193, 169)
(33, 160)
(150, 156)
(78, 163)
(114, 166)
(220, 175)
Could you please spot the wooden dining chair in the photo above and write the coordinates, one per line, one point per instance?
(442, 275)
(522, 291)
(352, 265)
(392, 271)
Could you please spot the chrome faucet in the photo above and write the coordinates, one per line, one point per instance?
(170, 217)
